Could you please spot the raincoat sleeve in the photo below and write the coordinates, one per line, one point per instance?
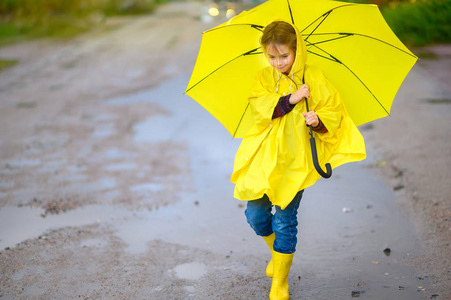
(262, 102)
(327, 105)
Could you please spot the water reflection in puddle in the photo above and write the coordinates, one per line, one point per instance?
(190, 271)
(121, 167)
(99, 185)
(115, 153)
(104, 131)
(21, 223)
(346, 222)
(148, 187)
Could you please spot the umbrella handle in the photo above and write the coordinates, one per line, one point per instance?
(328, 172)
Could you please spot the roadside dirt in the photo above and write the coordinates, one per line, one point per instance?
(52, 113)
(63, 148)
(413, 148)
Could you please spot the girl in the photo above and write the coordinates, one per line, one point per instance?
(273, 164)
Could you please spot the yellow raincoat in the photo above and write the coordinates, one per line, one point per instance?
(275, 158)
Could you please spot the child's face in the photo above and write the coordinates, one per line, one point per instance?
(281, 57)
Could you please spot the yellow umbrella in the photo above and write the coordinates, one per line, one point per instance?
(350, 43)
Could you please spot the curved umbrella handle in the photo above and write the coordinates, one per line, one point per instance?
(328, 172)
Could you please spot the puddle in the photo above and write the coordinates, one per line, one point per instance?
(6, 184)
(94, 243)
(148, 187)
(196, 220)
(99, 185)
(191, 290)
(110, 195)
(72, 177)
(154, 130)
(121, 167)
(115, 153)
(24, 163)
(185, 123)
(102, 117)
(202, 224)
(345, 223)
(104, 131)
(338, 244)
(18, 224)
(190, 271)
(51, 166)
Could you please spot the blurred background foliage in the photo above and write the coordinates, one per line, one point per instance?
(24, 19)
(419, 22)
(416, 22)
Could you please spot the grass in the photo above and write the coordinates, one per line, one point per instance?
(416, 22)
(27, 19)
(7, 63)
(420, 22)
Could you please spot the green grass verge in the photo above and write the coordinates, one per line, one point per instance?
(25, 19)
(420, 22)
(7, 63)
(416, 22)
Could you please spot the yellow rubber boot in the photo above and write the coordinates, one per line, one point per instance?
(270, 241)
(282, 264)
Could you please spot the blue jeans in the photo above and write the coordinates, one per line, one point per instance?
(283, 223)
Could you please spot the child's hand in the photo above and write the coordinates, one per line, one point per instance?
(311, 118)
(299, 94)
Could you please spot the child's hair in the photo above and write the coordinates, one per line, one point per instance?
(279, 33)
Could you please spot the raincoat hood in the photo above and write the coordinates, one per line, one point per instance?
(301, 53)
(274, 157)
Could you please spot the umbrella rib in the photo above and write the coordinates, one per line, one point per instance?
(324, 18)
(325, 15)
(291, 14)
(366, 88)
(329, 40)
(241, 119)
(334, 59)
(255, 26)
(348, 34)
(325, 57)
(251, 52)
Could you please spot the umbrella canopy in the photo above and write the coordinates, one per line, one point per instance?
(351, 43)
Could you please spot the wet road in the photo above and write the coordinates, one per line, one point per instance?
(346, 222)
